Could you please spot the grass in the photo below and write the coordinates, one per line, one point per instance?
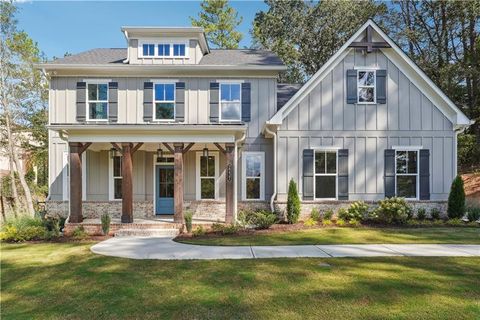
(67, 281)
(346, 236)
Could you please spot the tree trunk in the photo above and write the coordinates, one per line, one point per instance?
(26, 188)
(11, 151)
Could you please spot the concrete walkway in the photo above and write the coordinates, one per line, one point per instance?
(167, 249)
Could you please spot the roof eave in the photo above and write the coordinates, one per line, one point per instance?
(51, 66)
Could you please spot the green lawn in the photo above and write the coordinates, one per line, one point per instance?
(67, 281)
(347, 236)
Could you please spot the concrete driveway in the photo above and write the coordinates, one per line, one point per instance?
(167, 249)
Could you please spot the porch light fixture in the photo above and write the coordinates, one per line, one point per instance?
(205, 152)
(159, 154)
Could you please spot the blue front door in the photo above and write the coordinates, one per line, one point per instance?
(164, 190)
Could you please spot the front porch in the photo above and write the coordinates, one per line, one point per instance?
(132, 177)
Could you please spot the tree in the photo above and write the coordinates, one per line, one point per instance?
(219, 21)
(293, 203)
(306, 34)
(20, 93)
(456, 199)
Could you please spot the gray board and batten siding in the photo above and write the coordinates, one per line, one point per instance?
(408, 118)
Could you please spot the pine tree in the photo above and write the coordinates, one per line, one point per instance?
(219, 20)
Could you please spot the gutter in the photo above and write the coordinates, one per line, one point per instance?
(125, 32)
(146, 127)
(274, 194)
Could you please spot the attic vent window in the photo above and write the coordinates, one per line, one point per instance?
(148, 50)
(366, 86)
(164, 50)
(179, 50)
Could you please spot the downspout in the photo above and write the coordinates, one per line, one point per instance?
(128, 47)
(235, 175)
(274, 194)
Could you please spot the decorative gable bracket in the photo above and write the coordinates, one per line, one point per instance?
(368, 44)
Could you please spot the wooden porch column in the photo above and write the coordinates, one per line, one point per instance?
(127, 183)
(229, 182)
(75, 182)
(178, 183)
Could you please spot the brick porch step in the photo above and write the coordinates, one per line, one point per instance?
(151, 232)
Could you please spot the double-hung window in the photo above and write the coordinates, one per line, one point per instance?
(230, 102)
(116, 178)
(97, 101)
(253, 168)
(366, 86)
(148, 50)
(406, 178)
(325, 174)
(164, 96)
(164, 50)
(207, 176)
(179, 50)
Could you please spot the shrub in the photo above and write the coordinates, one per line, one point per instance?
(310, 222)
(315, 214)
(199, 231)
(438, 222)
(393, 210)
(473, 213)
(79, 233)
(340, 222)
(327, 222)
(23, 229)
(455, 222)
(328, 215)
(357, 210)
(230, 229)
(263, 219)
(293, 203)
(217, 227)
(242, 218)
(421, 214)
(105, 223)
(456, 199)
(435, 214)
(53, 225)
(342, 213)
(188, 217)
(354, 223)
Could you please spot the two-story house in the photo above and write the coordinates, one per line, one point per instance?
(168, 124)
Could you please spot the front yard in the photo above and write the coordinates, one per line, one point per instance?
(460, 235)
(65, 280)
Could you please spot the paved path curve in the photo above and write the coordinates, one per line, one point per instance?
(167, 249)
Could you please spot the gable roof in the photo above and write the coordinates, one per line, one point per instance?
(216, 57)
(285, 91)
(396, 55)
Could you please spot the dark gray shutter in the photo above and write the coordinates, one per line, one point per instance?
(343, 174)
(381, 84)
(389, 173)
(246, 113)
(81, 101)
(147, 101)
(180, 101)
(352, 86)
(214, 98)
(113, 101)
(424, 174)
(308, 174)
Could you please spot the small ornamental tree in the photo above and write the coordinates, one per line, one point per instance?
(456, 199)
(293, 203)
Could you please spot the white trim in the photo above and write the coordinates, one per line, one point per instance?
(87, 101)
(326, 148)
(315, 175)
(111, 192)
(220, 102)
(154, 179)
(417, 175)
(97, 81)
(229, 81)
(164, 80)
(244, 176)
(431, 91)
(198, 194)
(65, 175)
(164, 101)
(407, 148)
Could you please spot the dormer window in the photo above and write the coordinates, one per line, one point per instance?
(148, 50)
(164, 50)
(179, 50)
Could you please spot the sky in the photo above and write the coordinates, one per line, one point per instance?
(75, 26)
